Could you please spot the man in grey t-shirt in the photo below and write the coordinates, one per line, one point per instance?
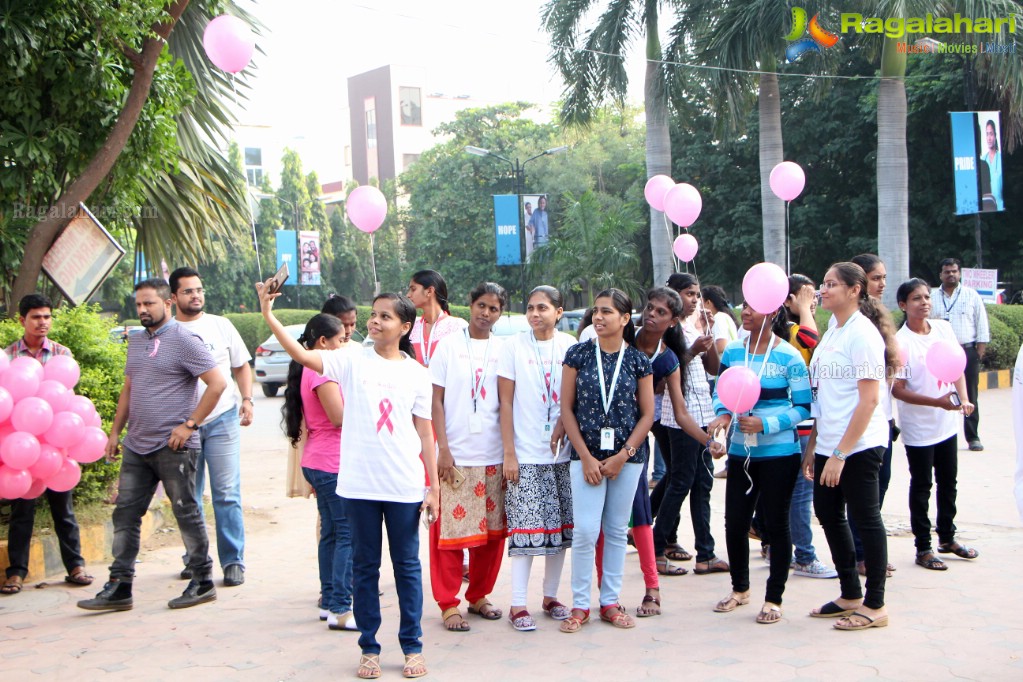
(159, 405)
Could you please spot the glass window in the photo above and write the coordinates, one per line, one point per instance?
(411, 106)
(254, 176)
(253, 156)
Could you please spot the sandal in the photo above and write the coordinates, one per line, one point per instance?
(415, 666)
(961, 551)
(521, 620)
(369, 667)
(651, 606)
(575, 623)
(848, 623)
(769, 614)
(13, 585)
(556, 609)
(731, 602)
(861, 568)
(928, 560)
(78, 576)
(665, 567)
(484, 609)
(454, 626)
(620, 619)
(713, 565)
(831, 610)
(677, 553)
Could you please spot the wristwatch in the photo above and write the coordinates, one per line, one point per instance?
(190, 423)
(839, 455)
(631, 451)
(247, 398)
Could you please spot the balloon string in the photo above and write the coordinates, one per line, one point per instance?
(671, 242)
(788, 243)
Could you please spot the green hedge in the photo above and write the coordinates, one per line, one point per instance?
(254, 330)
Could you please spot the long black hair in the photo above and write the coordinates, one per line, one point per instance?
(432, 278)
(320, 325)
(623, 304)
(673, 338)
(405, 309)
(851, 275)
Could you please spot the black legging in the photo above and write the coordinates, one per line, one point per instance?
(943, 460)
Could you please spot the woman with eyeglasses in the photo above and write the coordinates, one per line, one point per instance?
(849, 437)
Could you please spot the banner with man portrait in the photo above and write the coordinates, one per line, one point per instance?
(309, 252)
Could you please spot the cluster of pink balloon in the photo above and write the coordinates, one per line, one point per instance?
(366, 208)
(682, 203)
(229, 43)
(46, 430)
(764, 288)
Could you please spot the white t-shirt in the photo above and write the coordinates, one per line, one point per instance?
(886, 393)
(724, 327)
(382, 448)
(844, 356)
(452, 369)
(587, 334)
(530, 409)
(226, 345)
(922, 425)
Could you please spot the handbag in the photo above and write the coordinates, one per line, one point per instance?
(296, 485)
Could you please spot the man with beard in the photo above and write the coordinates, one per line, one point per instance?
(158, 402)
(219, 437)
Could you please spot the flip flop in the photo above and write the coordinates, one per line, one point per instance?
(677, 553)
(649, 599)
(879, 622)
(766, 615)
(665, 567)
(730, 603)
(484, 609)
(450, 614)
(831, 610)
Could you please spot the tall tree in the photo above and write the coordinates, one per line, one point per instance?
(592, 63)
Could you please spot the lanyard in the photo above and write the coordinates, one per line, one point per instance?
(657, 353)
(546, 379)
(606, 398)
(948, 308)
(476, 377)
(424, 341)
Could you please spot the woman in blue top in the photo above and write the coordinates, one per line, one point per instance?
(764, 454)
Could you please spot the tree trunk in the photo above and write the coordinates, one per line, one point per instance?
(658, 151)
(44, 232)
(892, 170)
(771, 154)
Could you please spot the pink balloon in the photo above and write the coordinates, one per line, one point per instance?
(229, 43)
(765, 287)
(90, 447)
(5, 430)
(6, 404)
(65, 430)
(81, 406)
(685, 247)
(21, 381)
(35, 490)
(65, 479)
(14, 482)
(55, 393)
(19, 450)
(738, 389)
(94, 420)
(50, 459)
(683, 204)
(32, 415)
(787, 180)
(367, 208)
(64, 369)
(30, 364)
(946, 361)
(656, 187)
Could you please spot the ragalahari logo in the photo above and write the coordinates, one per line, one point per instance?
(801, 43)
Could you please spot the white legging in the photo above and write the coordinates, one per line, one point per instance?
(520, 568)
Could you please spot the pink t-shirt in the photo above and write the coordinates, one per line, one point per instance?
(323, 445)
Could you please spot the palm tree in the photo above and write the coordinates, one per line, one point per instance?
(592, 62)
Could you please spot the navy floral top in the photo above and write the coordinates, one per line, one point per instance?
(589, 407)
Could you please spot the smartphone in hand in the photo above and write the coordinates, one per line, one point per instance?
(278, 280)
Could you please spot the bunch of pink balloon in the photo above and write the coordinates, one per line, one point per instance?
(738, 389)
(685, 247)
(366, 208)
(787, 180)
(682, 203)
(765, 287)
(46, 431)
(946, 361)
(229, 43)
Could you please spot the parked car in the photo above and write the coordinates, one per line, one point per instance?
(510, 324)
(272, 361)
(571, 319)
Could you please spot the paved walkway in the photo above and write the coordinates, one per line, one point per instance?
(965, 623)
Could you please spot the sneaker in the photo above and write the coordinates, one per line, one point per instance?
(115, 596)
(814, 569)
(342, 621)
(976, 445)
(196, 593)
(234, 575)
(186, 574)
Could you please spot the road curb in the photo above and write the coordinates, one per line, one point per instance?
(998, 378)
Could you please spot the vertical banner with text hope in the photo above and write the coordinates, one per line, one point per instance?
(506, 225)
(287, 249)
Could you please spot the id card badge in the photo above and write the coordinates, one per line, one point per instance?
(750, 440)
(547, 433)
(607, 438)
(475, 423)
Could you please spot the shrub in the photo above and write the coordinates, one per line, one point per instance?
(1011, 315)
(1001, 351)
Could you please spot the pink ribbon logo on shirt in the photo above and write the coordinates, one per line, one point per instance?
(156, 347)
(385, 416)
(483, 391)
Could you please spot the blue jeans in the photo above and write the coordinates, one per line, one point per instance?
(335, 549)
(140, 475)
(659, 467)
(402, 521)
(605, 506)
(800, 513)
(690, 473)
(221, 452)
